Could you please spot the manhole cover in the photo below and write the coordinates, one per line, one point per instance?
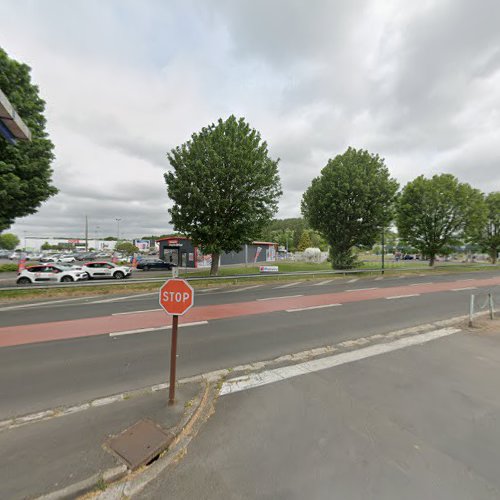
(140, 443)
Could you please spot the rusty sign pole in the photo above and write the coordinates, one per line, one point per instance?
(173, 359)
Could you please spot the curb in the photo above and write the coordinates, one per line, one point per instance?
(88, 486)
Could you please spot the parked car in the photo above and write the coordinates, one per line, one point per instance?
(49, 273)
(408, 257)
(97, 270)
(147, 264)
(50, 257)
(4, 254)
(66, 258)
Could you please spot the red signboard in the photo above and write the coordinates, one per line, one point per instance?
(176, 297)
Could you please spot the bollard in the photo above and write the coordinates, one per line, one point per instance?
(471, 309)
(490, 305)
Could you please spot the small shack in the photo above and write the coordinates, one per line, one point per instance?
(180, 251)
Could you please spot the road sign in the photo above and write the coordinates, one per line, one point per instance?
(176, 297)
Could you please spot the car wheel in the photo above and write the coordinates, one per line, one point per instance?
(23, 281)
(67, 279)
(118, 275)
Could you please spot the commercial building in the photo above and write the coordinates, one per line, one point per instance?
(180, 251)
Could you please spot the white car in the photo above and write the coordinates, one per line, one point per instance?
(66, 259)
(50, 273)
(106, 270)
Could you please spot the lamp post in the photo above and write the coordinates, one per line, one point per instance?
(97, 236)
(118, 230)
(383, 250)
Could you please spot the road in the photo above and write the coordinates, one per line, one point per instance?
(61, 352)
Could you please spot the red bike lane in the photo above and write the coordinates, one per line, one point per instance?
(105, 325)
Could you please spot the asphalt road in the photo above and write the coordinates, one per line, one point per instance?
(43, 375)
(417, 423)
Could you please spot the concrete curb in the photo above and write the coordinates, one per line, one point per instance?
(88, 486)
(137, 481)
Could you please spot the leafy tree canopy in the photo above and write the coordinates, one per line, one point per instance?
(25, 168)
(8, 241)
(350, 202)
(126, 247)
(224, 187)
(434, 214)
(488, 234)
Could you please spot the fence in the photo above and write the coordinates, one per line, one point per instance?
(484, 302)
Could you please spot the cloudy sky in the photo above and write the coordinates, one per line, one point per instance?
(126, 80)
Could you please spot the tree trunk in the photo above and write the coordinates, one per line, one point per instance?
(493, 255)
(214, 268)
(432, 259)
(342, 258)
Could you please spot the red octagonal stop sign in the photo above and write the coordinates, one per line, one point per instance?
(176, 297)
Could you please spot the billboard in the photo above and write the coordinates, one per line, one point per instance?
(142, 245)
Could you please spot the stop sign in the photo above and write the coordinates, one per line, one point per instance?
(176, 297)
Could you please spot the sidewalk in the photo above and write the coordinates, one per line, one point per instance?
(69, 454)
(415, 423)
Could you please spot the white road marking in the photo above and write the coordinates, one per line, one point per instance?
(464, 288)
(50, 302)
(284, 297)
(147, 330)
(277, 375)
(361, 289)
(242, 289)
(417, 284)
(403, 296)
(287, 285)
(116, 299)
(353, 280)
(311, 307)
(379, 278)
(137, 312)
(208, 289)
(321, 283)
(467, 279)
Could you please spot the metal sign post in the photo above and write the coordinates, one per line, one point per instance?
(173, 360)
(176, 298)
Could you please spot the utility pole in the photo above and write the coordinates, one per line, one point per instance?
(86, 234)
(118, 230)
(383, 250)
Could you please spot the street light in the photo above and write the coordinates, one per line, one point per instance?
(118, 229)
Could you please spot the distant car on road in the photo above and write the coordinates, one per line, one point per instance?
(408, 257)
(96, 270)
(49, 273)
(147, 264)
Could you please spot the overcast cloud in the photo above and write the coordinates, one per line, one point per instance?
(125, 81)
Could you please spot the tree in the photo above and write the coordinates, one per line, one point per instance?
(126, 247)
(8, 241)
(25, 168)
(305, 241)
(293, 226)
(349, 203)
(488, 235)
(46, 246)
(109, 238)
(224, 187)
(434, 214)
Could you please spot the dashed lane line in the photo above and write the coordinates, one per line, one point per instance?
(136, 312)
(403, 296)
(418, 284)
(50, 302)
(276, 298)
(128, 297)
(361, 289)
(464, 288)
(148, 330)
(287, 285)
(243, 289)
(353, 280)
(321, 283)
(311, 308)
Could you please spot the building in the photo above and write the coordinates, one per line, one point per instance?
(180, 251)
(35, 243)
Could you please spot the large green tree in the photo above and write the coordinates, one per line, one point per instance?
(25, 167)
(488, 235)
(349, 203)
(224, 187)
(126, 247)
(434, 214)
(8, 241)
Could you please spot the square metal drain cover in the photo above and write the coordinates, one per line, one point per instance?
(140, 443)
